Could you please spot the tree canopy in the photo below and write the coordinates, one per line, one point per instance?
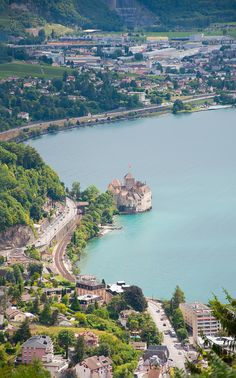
(25, 183)
(134, 297)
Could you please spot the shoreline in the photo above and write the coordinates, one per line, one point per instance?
(26, 132)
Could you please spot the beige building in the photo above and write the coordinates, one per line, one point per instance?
(95, 367)
(198, 317)
(131, 196)
(15, 315)
(89, 285)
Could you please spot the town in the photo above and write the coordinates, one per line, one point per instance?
(76, 324)
(56, 319)
(104, 78)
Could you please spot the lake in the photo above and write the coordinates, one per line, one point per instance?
(189, 162)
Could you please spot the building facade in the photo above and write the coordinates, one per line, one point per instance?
(199, 318)
(131, 196)
(89, 285)
(95, 367)
(41, 348)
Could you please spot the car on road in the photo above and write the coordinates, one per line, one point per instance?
(164, 324)
(180, 354)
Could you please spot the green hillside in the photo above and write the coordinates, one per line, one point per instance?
(25, 182)
(191, 14)
(17, 15)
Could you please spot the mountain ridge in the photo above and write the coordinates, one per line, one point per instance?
(114, 15)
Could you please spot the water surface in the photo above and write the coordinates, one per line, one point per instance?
(189, 161)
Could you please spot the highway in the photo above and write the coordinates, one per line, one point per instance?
(57, 224)
(177, 353)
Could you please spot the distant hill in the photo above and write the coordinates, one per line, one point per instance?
(190, 13)
(113, 15)
(17, 15)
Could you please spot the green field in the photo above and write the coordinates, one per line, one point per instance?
(58, 29)
(21, 69)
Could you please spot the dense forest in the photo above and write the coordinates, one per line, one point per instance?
(25, 183)
(191, 14)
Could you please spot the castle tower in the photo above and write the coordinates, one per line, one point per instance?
(129, 181)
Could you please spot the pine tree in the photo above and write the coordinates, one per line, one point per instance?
(75, 305)
(79, 350)
(177, 298)
(23, 333)
(46, 314)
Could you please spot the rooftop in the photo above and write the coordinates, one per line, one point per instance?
(40, 341)
(196, 307)
(96, 362)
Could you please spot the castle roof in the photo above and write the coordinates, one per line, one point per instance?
(115, 183)
(128, 176)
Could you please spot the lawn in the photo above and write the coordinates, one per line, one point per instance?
(21, 69)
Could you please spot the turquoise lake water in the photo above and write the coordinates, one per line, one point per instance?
(189, 161)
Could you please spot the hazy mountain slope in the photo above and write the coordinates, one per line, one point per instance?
(16, 15)
(189, 13)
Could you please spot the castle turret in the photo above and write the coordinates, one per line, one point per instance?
(129, 181)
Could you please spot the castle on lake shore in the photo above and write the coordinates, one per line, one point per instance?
(131, 196)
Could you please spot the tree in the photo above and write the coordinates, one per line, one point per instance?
(138, 56)
(178, 106)
(75, 190)
(42, 35)
(182, 334)
(90, 194)
(65, 299)
(35, 268)
(177, 298)
(116, 305)
(104, 349)
(35, 370)
(75, 305)
(23, 333)
(79, 350)
(45, 316)
(35, 306)
(81, 318)
(134, 297)
(65, 339)
(226, 314)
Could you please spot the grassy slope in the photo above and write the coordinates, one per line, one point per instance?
(58, 29)
(21, 69)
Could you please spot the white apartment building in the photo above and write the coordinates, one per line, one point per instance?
(198, 317)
